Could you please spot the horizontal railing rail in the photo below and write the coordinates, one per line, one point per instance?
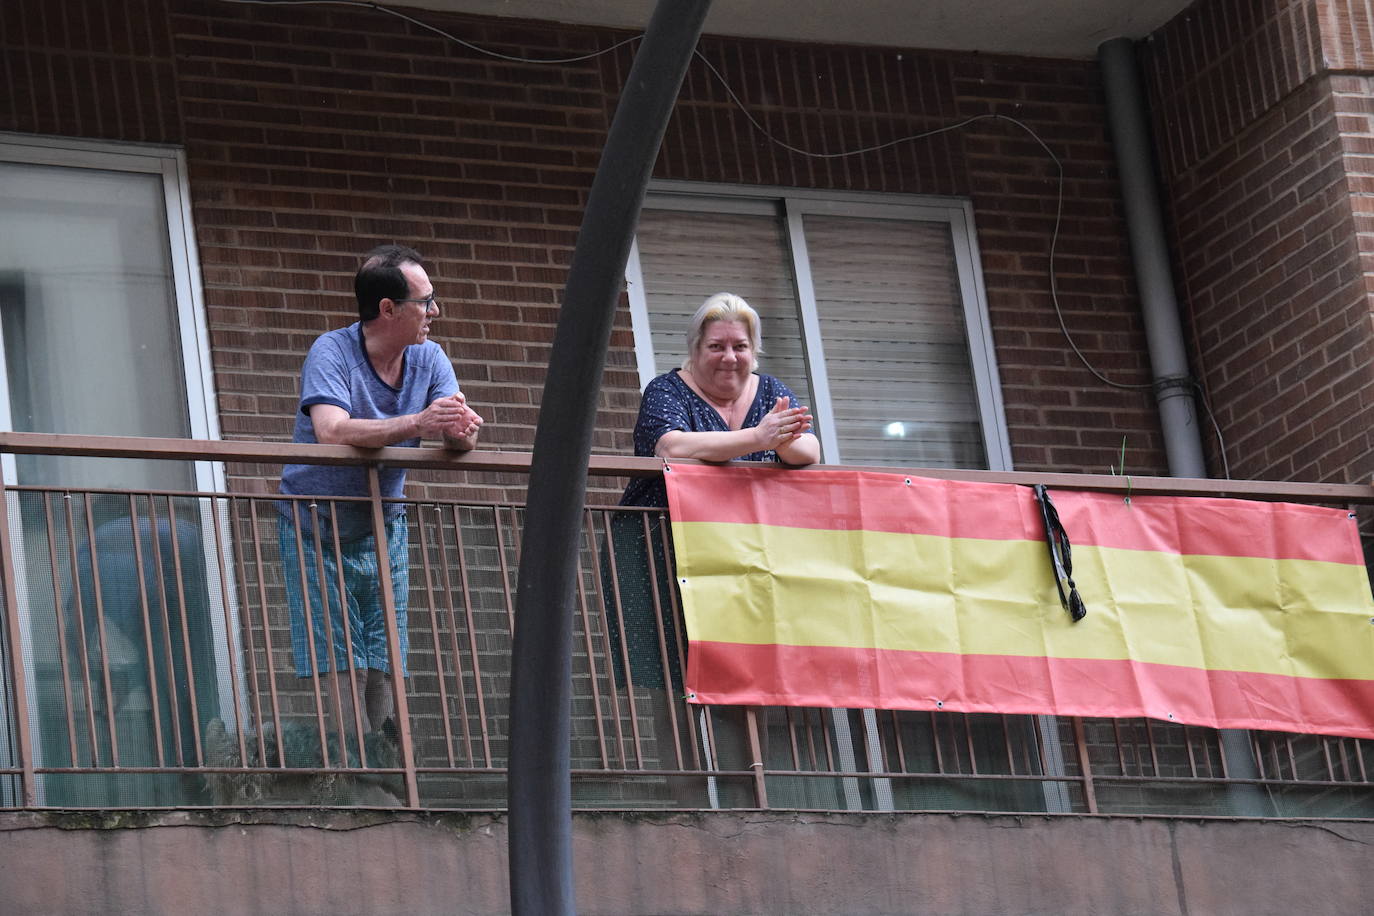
(22, 443)
(148, 662)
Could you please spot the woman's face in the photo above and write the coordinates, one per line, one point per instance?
(724, 358)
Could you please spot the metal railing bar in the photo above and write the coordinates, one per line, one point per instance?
(1154, 749)
(661, 637)
(221, 545)
(935, 742)
(1006, 745)
(1188, 745)
(1120, 745)
(912, 777)
(435, 458)
(613, 693)
(309, 624)
(161, 606)
(359, 702)
(1085, 766)
(679, 625)
(328, 690)
(477, 688)
(433, 615)
(393, 641)
(1272, 781)
(625, 667)
(1207, 752)
(175, 541)
(146, 611)
(28, 784)
(457, 662)
(751, 721)
(1326, 756)
(506, 590)
(823, 728)
(63, 650)
(101, 634)
(1041, 754)
(275, 700)
(968, 737)
(270, 772)
(83, 649)
(592, 676)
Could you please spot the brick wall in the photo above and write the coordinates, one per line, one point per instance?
(829, 100)
(1063, 416)
(89, 70)
(312, 133)
(1347, 32)
(1269, 271)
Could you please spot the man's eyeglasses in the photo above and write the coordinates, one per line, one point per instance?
(426, 302)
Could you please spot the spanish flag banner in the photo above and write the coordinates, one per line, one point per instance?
(866, 589)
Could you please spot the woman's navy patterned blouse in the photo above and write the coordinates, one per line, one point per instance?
(670, 404)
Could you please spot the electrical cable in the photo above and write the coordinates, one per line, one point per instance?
(1216, 428)
(438, 31)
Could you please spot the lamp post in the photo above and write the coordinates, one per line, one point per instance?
(539, 775)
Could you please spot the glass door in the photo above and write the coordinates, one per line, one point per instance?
(101, 334)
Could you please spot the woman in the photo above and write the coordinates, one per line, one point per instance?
(717, 408)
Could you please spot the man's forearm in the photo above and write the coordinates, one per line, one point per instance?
(333, 426)
(371, 433)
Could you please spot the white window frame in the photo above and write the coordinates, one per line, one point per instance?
(170, 164)
(793, 204)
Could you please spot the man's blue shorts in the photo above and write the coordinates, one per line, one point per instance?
(366, 634)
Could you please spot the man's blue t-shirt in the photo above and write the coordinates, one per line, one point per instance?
(337, 371)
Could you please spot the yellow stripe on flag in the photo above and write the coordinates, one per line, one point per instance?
(757, 585)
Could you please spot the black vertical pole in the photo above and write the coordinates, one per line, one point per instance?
(539, 781)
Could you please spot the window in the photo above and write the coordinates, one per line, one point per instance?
(103, 333)
(873, 313)
(872, 309)
(99, 303)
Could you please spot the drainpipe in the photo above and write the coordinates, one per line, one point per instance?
(1173, 383)
(539, 773)
(1131, 140)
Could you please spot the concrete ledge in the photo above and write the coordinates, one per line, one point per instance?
(373, 862)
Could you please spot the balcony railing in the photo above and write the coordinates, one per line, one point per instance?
(147, 663)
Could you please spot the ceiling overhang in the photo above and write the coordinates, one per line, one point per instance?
(1035, 28)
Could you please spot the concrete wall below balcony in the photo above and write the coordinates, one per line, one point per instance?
(342, 863)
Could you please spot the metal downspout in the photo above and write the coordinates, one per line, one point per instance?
(1130, 132)
(1173, 382)
(539, 774)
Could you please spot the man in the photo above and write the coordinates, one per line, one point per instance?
(378, 382)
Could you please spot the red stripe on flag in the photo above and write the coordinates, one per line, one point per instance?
(852, 501)
(888, 679)
(871, 501)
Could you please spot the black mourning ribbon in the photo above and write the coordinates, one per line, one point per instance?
(1061, 556)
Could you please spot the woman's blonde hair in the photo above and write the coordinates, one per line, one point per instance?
(723, 307)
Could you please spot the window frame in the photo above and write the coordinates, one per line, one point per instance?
(791, 205)
(169, 163)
